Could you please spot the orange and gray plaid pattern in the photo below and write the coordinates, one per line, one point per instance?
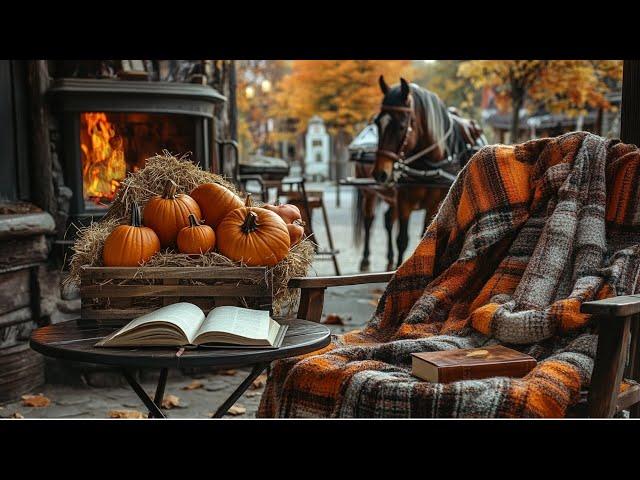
(525, 235)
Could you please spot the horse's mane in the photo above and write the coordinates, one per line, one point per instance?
(435, 112)
(437, 120)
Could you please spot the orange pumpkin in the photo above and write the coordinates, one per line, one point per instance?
(169, 213)
(253, 235)
(215, 201)
(296, 231)
(289, 213)
(130, 245)
(196, 238)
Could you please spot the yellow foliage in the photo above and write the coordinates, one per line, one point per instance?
(568, 86)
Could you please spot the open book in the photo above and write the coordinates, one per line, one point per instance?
(182, 324)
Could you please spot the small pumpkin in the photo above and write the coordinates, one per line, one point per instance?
(215, 201)
(296, 231)
(168, 213)
(196, 238)
(255, 236)
(289, 213)
(130, 245)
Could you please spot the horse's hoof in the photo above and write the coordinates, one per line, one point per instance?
(364, 266)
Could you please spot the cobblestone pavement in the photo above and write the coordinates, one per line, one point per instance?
(354, 305)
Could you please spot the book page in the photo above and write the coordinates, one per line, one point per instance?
(243, 322)
(186, 316)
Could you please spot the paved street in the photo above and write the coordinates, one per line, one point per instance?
(354, 305)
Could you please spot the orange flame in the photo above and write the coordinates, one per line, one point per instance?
(103, 162)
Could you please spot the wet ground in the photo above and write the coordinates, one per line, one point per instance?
(199, 394)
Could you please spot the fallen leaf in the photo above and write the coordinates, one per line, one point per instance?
(259, 382)
(252, 394)
(333, 319)
(228, 373)
(16, 415)
(236, 410)
(194, 385)
(170, 401)
(35, 401)
(126, 414)
(374, 302)
(377, 291)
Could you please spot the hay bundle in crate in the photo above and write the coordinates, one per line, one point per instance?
(114, 295)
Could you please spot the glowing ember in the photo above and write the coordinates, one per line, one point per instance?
(103, 162)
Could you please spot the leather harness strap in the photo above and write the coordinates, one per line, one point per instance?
(401, 164)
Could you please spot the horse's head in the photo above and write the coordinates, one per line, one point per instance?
(396, 131)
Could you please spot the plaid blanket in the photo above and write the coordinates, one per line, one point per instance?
(525, 235)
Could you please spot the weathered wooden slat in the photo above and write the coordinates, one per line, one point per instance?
(621, 306)
(115, 295)
(115, 291)
(629, 397)
(192, 273)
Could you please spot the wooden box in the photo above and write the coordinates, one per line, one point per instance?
(115, 295)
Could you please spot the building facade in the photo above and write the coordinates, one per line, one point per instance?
(317, 150)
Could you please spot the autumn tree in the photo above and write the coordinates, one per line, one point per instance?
(344, 93)
(441, 77)
(568, 86)
(257, 81)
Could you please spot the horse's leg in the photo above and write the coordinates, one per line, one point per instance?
(389, 220)
(369, 205)
(404, 212)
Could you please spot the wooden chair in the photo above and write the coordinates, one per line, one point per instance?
(617, 357)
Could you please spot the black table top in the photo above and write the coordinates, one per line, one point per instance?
(68, 341)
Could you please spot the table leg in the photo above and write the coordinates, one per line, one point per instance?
(154, 409)
(162, 383)
(237, 393)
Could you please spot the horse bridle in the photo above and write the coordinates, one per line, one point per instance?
(398, 157)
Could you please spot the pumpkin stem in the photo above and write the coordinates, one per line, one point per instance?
(250, 222)
(170, 189)
(248, 202)
(135, 215)
(192, 220)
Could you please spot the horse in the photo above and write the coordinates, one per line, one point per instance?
(422, 145)
(365, 205)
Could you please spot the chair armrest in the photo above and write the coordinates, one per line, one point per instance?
(621, 306)
(340, 281)
(615, 315)
(312, 290)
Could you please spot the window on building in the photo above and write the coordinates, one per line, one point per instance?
(316, 143)
(318, 158)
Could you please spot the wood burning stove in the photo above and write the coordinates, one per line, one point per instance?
(110, 127)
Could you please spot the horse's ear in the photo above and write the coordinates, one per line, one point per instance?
(383, 85)
(404, 89)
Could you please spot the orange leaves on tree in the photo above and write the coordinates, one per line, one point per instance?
(568, 86)
(344, 93)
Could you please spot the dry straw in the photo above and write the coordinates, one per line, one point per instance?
(144, 184)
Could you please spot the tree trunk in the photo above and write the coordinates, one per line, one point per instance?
(516, 104)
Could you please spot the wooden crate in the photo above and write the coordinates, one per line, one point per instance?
(115, 295)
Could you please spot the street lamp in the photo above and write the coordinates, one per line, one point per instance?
(250, 92)
(265, 86)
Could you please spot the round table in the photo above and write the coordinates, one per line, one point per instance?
(69, 341)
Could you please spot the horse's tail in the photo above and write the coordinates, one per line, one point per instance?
(358, 217)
